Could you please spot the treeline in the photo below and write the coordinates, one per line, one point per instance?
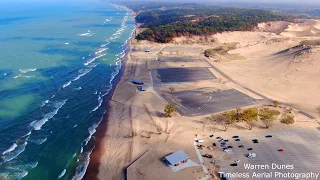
(164, 25)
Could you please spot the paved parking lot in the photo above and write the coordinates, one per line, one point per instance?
(197, 102)
(301, 149)
(180, 59)
(174, 75)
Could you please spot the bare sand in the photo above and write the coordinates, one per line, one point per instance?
(135, 137)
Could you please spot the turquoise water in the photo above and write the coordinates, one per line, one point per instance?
(57, 63)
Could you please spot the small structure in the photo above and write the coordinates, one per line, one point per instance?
(177, 158)
(137, 81)
(144, 87)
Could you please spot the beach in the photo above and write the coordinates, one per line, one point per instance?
(134, 136)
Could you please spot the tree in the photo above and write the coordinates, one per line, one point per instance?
(268, 116)
(250, 116)
(169, 109)
(275, 103)
(222, 120)
(239, 112)
(288, 119)
(172, 90)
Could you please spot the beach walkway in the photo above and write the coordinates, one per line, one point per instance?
(205, 170)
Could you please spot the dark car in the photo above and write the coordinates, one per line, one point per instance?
(226, 140)
(230, 146)
(235, 136)
(211, 135)
(269, 136)
(218, 137)
(234, 164)
(207, 155)
(255, 142)
(254, 139)
(249, 149)
(237, 140)
(214, 144)
(241, 146)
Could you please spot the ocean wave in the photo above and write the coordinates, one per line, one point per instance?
(11, 148)
(4, 74)
(104, 45)
(38, 124)
(93, 59)
(75, 125)
(44, 103)
(17, 76)
(62, 173)
(88, 33)
(53, 96)
(97, 107)
(66, 84)
(27, 70)
(77, 89)
(66, 43)
(13, 154)
(100, 50)
(38, 141)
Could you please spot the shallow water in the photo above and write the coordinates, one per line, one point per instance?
(57, 62)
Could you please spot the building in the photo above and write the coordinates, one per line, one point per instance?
(177, 158)
(137, 81)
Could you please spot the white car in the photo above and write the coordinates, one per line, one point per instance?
(227, 150)
(237, 161)
(252, 155)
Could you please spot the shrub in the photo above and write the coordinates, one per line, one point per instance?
(276, 103)
(268, 116)
(288, 119)
(169, 109)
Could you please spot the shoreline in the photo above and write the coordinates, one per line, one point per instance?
(97, 153)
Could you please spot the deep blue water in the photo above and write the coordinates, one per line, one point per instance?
(57, 62)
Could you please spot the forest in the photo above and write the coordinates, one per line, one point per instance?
(164, 23)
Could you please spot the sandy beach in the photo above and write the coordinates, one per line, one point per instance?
(134, 137)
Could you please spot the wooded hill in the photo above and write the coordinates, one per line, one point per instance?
(164, 22)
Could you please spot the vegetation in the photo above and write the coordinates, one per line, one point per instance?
(172, 90)
(222, 50)
(288, 118)
(196, 20)
(169, 110)
(250, 116)
(310, 42)
(318, 110)
(222, 120)
(268, 116)
(276, 103)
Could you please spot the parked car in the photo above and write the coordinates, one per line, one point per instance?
(214, 144)
(235, 137)
(238, 160)
(218, 137)
(241, 146)
(207, 155)
(226, 140)
(234, 164)
(280, 150)
(252, 155)
(230, 146)
(237, 140)
(227, 150)
(249, 149)
(268, 136)
(211, 135)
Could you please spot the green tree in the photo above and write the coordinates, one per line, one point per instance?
(250, 116)
(169, 109)
(268, 116)
(222, 120)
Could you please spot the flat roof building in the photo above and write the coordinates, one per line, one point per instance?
(175, 159)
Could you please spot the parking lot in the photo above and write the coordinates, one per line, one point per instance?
(174, 75)
(300, 148)
(197, 102)
(179, 59)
